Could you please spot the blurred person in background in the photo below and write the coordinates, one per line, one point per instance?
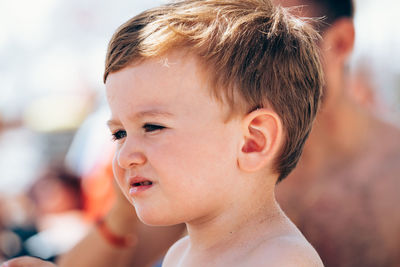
(17, 224)
(343, 194)
(45, 221)
(56, 191)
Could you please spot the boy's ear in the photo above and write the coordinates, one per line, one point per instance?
(261, 140)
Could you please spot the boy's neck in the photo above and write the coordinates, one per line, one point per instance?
(236, 225)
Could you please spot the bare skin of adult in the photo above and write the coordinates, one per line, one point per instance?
(94, 250)
(344, 194)
(152, 242)
(149, 247)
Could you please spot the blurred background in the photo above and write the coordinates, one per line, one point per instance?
(53, 113)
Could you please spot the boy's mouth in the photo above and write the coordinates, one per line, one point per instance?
(144, 183)
(138, 185)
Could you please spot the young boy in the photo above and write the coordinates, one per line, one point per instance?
(211, 103)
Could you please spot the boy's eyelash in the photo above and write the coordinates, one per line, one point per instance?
(118, 135)
(148, 127)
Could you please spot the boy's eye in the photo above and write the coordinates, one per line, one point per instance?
(152, 127)
(119, 135)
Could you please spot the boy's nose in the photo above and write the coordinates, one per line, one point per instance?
(128, 158)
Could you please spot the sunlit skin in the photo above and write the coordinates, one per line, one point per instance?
(170, 131)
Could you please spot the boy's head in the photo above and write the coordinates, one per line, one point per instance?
(253, 54)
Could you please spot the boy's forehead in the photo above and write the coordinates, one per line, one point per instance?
(170, 69)
(174, 76)
(171, 61)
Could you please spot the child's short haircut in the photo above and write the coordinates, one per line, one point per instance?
(256, 55)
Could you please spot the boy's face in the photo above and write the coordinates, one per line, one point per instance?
(176, 157)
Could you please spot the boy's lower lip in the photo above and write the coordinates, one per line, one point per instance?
(136, 190)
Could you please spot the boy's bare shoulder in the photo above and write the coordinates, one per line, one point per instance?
(175, 252)
(289, 250)
(280, 251)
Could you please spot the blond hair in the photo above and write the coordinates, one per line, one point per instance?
(255, 54)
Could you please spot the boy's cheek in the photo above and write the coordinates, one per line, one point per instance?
(118, 172)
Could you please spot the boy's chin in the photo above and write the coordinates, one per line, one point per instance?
(154, 218)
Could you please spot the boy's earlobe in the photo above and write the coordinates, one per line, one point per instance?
(262, 132)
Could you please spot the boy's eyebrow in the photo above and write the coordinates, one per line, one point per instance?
(152, 113)
(142, 114)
